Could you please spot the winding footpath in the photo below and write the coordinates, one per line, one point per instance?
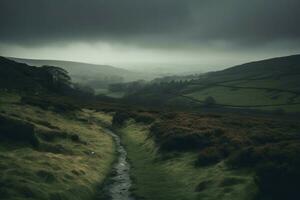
(118, 187)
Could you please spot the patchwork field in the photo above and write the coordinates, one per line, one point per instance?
(263, 85)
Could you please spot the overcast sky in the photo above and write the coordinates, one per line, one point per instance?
(199, 34)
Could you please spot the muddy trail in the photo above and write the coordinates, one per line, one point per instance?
(118, 184)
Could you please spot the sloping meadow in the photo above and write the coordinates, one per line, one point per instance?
(45, 154)
(265, 147)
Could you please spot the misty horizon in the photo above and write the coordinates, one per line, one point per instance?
(179, 36)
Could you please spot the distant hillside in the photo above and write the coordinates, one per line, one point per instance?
(96, 76)
(267, 84)
(22, 77)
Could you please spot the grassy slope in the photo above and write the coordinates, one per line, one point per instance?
(86, 73)
(267, 82)
(279, 73)
(177, 178)
(42, 173)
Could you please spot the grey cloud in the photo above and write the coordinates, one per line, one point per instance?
(150, 21)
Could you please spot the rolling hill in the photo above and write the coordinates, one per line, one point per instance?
(267, 84)
(96, 76)
(23, 77)
(59, 147)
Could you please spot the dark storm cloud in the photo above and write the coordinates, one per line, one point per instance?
(248, 21)
(44, 19)
(145, 21)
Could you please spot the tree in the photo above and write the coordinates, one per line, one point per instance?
(84, 89)
(58, 78)
(209, 101)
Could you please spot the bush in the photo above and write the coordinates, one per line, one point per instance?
(209, 156)
(75, 138)
(120, 118)
(278, 181)
(243, 158)
(203, 186)
(54, 148)
(142, 118)
(209, 102)
(52, 135)
(279, 111)
(184, 142)
(17, 131)
(276, 167)
(56, 104)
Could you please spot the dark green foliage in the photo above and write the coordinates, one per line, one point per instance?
(202, 186)
(244, 158)
(230, 181)
(143, 118)
(17, 131)
(46, 176)
(276, 167)
(278, 181)
(178, 139)
(184, 143)
(87, 90)
(53, 135)
(119, 118)
(153, 95)
(130, 87)
(54, 148)
(50, 136)
(59, 80)
(75, 138)
(209, 102)
(57, 104)
(269, 148)
(25, 78)
(209, 156)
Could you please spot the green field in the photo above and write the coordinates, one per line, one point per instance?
(263, 85)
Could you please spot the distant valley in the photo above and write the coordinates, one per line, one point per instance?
(96, 76)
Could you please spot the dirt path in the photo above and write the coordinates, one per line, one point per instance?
(118, 187)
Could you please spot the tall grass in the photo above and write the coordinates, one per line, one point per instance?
(168, 177)
(69, 165)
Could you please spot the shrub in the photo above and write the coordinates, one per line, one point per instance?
(17, 131)
(52, 135)
(230, 181)
(54, 103)
(120, 118)
(209, 102)
(142, 118)
(54, 148)
(278, 181)
(75, 138)
(279, 111)
(168, 116)
(203, 186)
(276, 167)
(209, 156)
(243, 158)
(184, 142)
